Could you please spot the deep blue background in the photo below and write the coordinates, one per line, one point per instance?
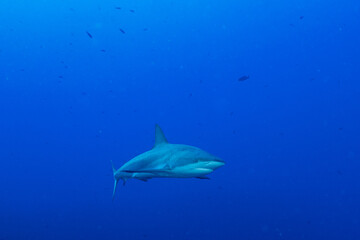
(290, 135)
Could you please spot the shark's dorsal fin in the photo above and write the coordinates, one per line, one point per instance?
(159, 136)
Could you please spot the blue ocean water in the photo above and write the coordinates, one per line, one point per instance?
(271, 87)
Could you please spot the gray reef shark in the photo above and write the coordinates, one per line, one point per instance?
(167, 160)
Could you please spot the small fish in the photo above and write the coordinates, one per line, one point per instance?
(243, 78)
(118, 8)
(90, 36)
(301, 17)
(122, 30)
(102, 50)
(131, 10)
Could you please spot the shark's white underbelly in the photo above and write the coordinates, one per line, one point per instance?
(198, 169)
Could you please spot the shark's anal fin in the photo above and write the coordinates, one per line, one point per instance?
(159, 136)
(143, 179)
(203, 177)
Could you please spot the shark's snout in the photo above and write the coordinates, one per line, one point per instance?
(216, 164)
(209, 164)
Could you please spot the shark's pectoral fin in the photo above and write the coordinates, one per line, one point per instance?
(203, 177)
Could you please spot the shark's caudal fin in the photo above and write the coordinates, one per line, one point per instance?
(159, 136)
(113, 168)
(116, 180)
(115, 184)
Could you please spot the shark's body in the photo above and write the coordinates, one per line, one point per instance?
(167, 160)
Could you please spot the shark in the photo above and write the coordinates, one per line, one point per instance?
(166, 160)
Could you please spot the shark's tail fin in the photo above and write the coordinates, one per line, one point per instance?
(116, 180)
(113, 168)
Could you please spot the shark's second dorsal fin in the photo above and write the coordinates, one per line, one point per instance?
(159, 136)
